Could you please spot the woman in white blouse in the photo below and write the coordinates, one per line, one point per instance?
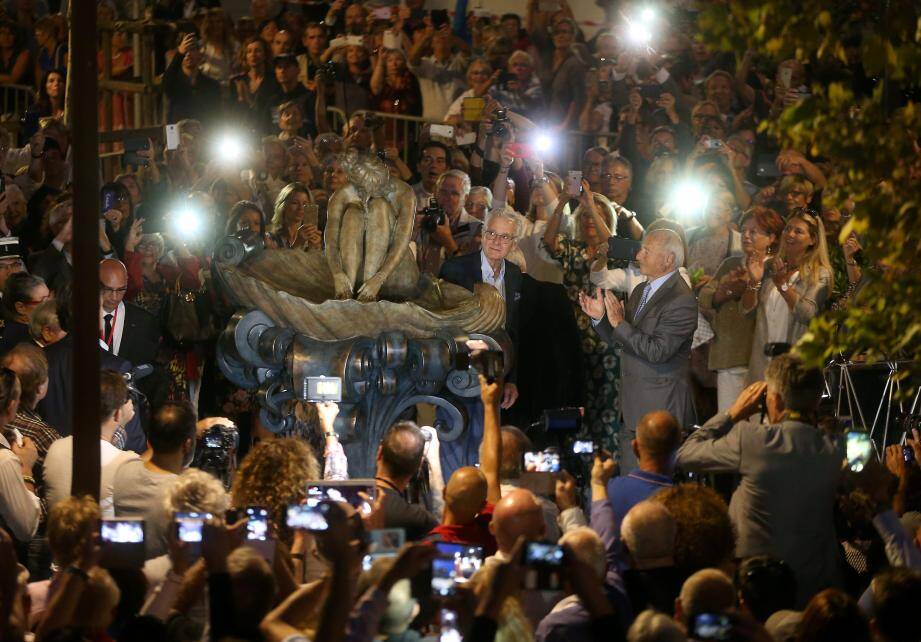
(788, 291)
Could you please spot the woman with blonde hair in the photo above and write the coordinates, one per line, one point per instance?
(600, 365)
(788, 291)
(294, 222)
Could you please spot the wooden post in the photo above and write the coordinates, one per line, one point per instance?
(85, 247)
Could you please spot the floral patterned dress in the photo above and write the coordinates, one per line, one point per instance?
(601, 365)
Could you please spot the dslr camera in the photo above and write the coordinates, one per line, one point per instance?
(500, 127)
(433, 215)
(216, 452)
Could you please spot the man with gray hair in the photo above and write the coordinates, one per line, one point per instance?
(648, 533)
(655, 329)
(490, 266)
(790, 469)
(458, 233)
(706, 591)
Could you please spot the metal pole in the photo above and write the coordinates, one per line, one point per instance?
(85, 247)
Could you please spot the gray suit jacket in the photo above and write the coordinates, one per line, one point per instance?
(783, 504)
(656, 356)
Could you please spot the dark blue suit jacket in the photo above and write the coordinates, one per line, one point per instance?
(57, 406)
(466, 271)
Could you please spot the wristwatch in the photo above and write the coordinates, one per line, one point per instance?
(79, 572)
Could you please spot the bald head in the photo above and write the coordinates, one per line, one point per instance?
(517, 514)
(706, 591)
(657, 437)
(465, 494)
(648, 531)
(113, 277)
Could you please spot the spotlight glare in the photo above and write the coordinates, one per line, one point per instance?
(648, 14)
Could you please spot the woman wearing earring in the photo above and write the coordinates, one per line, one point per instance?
(787, 292)
(720, 301)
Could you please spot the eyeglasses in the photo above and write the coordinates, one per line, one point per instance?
(616, 177)
(107, 290)
(504, 238)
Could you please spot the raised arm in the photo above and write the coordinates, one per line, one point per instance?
(491, 448)
(377, 77)
(551, 234)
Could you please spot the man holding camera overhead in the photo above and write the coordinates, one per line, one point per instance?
(654, 329)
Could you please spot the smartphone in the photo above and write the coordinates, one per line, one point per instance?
(381, 13)
(189, 526)
(583, 447)
(712, 626)
(908, 453)
(172, 136)
(520, 150)
(348, 491)
(439, 17)
(392, 40)
(541, 461)
(109, 200)
(574, 183)
(447, 626)
(623, 249)
(132, 147)
(714, 143)
(442, 131)
(859, 450)
(466, 139)
(472, 108)
(786, 77)
(543, 562)
(454, 564)
(321, 389)
(122, 543)
(308, 517)
(383, 542)
(356, 41)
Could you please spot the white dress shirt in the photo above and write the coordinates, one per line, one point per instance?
(59, 469)
(118, 328)
(490, 277)
(20, 509)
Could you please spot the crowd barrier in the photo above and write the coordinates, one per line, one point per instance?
(15, 100)
(397, 130)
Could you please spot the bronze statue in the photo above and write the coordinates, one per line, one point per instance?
(368, 229)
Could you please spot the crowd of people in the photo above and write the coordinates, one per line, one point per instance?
(659, 282)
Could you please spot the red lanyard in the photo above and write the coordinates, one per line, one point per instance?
(108, 340)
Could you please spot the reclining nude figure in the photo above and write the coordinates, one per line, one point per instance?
(368, 229)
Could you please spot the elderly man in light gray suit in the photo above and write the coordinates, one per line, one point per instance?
(789, 467)
(655, 331)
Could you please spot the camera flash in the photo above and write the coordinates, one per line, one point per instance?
(689, 199)
(229, 148)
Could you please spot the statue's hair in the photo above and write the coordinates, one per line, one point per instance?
(365, 172)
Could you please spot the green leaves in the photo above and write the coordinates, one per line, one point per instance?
(868, 146)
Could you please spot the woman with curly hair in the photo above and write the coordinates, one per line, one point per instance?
(275, 474)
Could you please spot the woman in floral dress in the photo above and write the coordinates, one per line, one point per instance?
(600, 364)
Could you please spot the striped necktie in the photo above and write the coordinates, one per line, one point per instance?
(643, 300)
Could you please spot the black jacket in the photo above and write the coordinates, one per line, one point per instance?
(466, 271)
(52, 265)
(201, 101)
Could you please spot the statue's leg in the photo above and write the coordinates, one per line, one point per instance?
(350, 242)
(379, 235)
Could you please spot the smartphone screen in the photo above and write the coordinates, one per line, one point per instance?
(349, 492)
(859, 450)
(542, 461)
(583, 447)
(543, 554)
(190, 525)
(122, 531)
(122, 544)
(447, 629)
(308, 518)
(574, 183)
(257, 525)
(712, 626)
(454, 564)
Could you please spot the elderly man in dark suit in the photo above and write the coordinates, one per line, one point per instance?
(654, 329)
(489, 265)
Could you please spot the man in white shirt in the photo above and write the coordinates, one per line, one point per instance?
(458, 234)
(432, 164)
(117, 409)
(441, 75)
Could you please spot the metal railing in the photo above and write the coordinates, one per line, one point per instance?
(15, 100)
